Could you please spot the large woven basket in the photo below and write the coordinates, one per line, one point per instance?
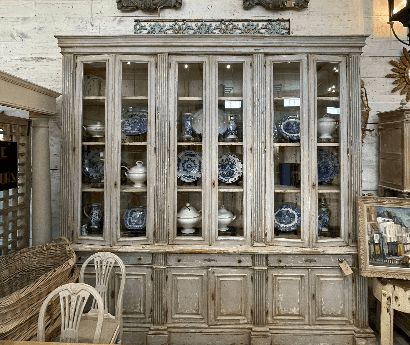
(26, 278)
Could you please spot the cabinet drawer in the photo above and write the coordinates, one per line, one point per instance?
(209, 260)
(127, 258)
(309, 260)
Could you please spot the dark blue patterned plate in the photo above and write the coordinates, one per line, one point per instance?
(189, 165)
(229, 168)
(135, 218)
(327, 166)
(134, 120)
(289, 127)
(287, 217)
(93, 164)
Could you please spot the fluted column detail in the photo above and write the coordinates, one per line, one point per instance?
(362, 317)
(159, 286)
(66, 157)
(259, 148)
(259, 290)
(162, 151)
(355, 135)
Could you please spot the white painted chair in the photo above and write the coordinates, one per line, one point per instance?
(73, 297)
(112, 325)
(393, 294)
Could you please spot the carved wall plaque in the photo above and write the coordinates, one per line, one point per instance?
(276, 4)
(132, 5)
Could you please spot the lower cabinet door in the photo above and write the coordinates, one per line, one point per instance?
(187, 295)
(288, 296)
(331, 296)
(230, 296)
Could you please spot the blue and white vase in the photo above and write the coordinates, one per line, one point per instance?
(95, 217)
(231, 131)
(323, 217)
(187, 129)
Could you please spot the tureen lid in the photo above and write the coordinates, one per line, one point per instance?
(188, 211)
(138, 168)
(96, 125)
(224, 213)
(326, 118)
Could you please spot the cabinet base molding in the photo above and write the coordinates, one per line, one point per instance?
(260, 336)
(157, 336)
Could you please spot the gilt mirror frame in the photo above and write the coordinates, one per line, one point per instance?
(383, 237)
(401, 71)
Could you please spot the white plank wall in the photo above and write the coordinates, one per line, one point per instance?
(29, 50)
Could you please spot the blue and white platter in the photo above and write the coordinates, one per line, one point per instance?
(223, 121)
(93, 164)
(289, 127)
(134, 120)
(189, 165)
(287, 217)
(229, 168)
(135, 218)
(327, 166)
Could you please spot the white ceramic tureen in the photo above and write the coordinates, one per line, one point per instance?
(187, 217)
(224, 219)
(96, 130)
(137, 174)
(326, 125)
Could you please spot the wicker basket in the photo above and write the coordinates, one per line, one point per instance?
(26, 278)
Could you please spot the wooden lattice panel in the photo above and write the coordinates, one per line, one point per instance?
(15, 202)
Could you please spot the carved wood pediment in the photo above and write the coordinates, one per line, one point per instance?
(132, 5)
(276, 4)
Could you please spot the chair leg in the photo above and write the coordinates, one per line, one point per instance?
(386, 319)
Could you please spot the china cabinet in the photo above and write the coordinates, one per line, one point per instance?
(246, 208)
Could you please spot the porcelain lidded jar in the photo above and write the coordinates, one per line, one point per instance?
(96, 130)
(137, 174)
(326, 125)
(224, 218)
(187, 217)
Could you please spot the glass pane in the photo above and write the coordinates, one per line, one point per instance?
(230, 150)
(93, 148)
(190, 116)
(328, 149)
(134, 129)
(287, 150)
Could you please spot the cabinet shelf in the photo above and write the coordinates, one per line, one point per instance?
(328, 99)
(142, 143)
(286, 189)
(89, 188)
(328, 189)
(189, 143)
(230, 189)
(190, 99)
(94, 100)
(131, 189)
(328, 144)
(232, 98)
(189, 189)
(230, 143)
(286, 144)
(134, 98)
(93, 143)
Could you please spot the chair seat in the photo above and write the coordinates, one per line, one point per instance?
(110, 329)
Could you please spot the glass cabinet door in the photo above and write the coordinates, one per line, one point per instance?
(189, 116)
(136, 96)
(287, 95)
(92, 112)
(231, 113)
(330, 134)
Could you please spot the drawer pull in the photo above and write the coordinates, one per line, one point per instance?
(310, 260)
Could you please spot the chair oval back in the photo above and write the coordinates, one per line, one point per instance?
(103, 265)
(73, 297)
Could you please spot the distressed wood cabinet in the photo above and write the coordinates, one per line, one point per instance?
(265, 130)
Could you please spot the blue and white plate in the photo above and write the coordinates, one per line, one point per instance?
(229, 168)
(134, 120)
(289, 127)
(327, 166)
(189, 165)
(93, 164)
(135, 218)
(223, 121)
(287, 217)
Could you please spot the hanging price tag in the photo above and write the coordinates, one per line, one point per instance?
(345, 267)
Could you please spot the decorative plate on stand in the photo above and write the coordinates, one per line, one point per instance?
(93, 164)
(287, 217)
(134, 120)
(189, 165)
(135, 218)
(327, 166)
(289, 127)
(229, 168)
(223, 121)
